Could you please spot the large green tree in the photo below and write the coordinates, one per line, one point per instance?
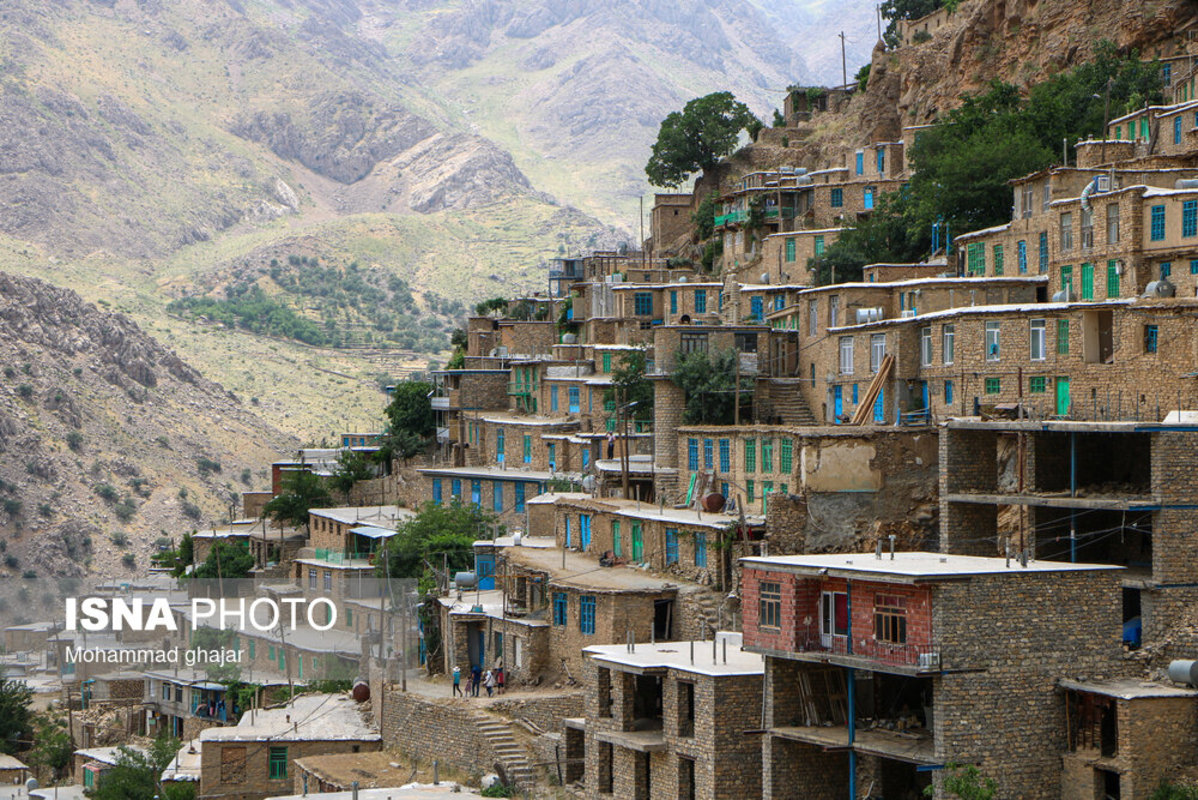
(895, 10)
(226, 561)
(697, 137)
(439, 534)
(138, 776)
(708, 382)
(16, 720)
(302, 490)
(352, 466)
(630, 384)
(410, 420)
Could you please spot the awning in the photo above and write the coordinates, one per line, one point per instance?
(371, 532)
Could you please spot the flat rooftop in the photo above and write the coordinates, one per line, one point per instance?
(1174, 419)
(370, 770)
(1129, 688)
(384, 516)
(411, 791)
(492, 473)
(730, 658)
(652, 513)
(320, 717)
(910, 566)
(185, 766)
(485, 603)
(583, 572)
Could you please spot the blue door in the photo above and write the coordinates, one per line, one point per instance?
(880, 407)
(485, 568)
(755, 308)
(437, 491)
(924, 387)
(567, 531)
(837, 403)
(584, 531)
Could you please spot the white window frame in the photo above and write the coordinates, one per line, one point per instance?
(948, 343)
(846, 355)
(1038, 339)
(925, 346)
(813, 317)
(877, 351)
(834, 311)
(993, 341)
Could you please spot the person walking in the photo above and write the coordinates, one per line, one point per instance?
(476, 678)
(457, 680)
(489, 682)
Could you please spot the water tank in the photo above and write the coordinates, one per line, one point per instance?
(361, 691)
(1063, 296)
(713, 502)
(765, 277)
(464, 580)
(517, 538)
(570, 338)
(1186, 183)
(1161, 288)
(1184, 672)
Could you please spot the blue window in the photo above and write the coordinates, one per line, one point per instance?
(700, 549)
(692, 454)
(1166, 269)
(476, 492)
(586, 458)
(724, 490)
(1189, 218)
(586, 613)
(779, 302)
(1177, 129)
(584, 531)
(1044, 251)
(671, 546)
(708, 454)
(1158, 224)
(860, 162)
(755, 308)
(881, 160)
(1150, 337)
(643, 303)
(1194, 266)
(1167, 74)
(519, 492)
(552, 448)
(574, 400)
(456, 488)
(837, 198)
(500, 444)
(569, 536)
(559, 608)
(700, 301)
(673, 302)
(867, 199)
(497, 497)
(1022, 248)
(948, 392)
(553, 398)
(725, 456)
(437, 491)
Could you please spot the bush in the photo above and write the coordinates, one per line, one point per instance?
(106, 491)
(46, 510)
(497, 790)
(125, 510)
(75, 441)
(29, 575)
(12, 507)
(247, 476)
(207, 465)
(25, 391)
(919, 37)
(129, 560)
(11, 561)
(121, 540)
(192, 510)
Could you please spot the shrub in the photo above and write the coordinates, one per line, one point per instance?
(192, 510)
(206, 465)
(106, 491)
(45, 510)
(29, 574)
(246, 476)
(25, 391)
(75, 441)
(121, 540)
(129, 560)
(12, 507)
(11, 561)
(10, 373)
(125, 509)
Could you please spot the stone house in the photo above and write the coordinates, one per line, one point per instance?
(880, 668)
(669, 221)
(254, 759)
(784, 256)
(668, 721)
(13, 772)
(502, 491)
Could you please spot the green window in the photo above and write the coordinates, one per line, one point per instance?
(976, 258)
(750, 492)
(607, 362)
(819, 245)
(998, 259)
(1037, 384)
(750, 455)
(785, 456)
(767, 455)
(638, 542)
(1063, 337)
(278, 763)
(790, 249)
(349, 621)
(527, 449)
(617, 547)
(642, 303)
(1087, 281)
(1118, 131)
(767, 488)
(993, 385)
(1112, 279)
(270, 652)
(673, 302)
(1067, 278)
(252, 649)
(837, 198)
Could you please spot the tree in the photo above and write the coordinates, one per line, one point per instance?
(16, 725)
(410, 420)
(137, 775)
(630, 384)
(708, 381)
(204, 638)
(966, 782)
(302, 491)
(895, 10)
(447, 528)
(178, 559)
(696, 138)
(494, 304)
(227, 562)
(352, 466)
(52, 746)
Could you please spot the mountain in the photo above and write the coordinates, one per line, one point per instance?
(109, 439)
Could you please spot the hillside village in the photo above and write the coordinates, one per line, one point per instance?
(736, 530)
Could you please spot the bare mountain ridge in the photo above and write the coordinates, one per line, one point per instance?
(101, 427)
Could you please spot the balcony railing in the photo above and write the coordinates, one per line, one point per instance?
(343, 556)
(920, 656)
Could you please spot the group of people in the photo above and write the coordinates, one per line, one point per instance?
(491, 680)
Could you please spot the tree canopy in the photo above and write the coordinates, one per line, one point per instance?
(410, 420)
(449, 528)
(708, 380)
(137, 775)
(630, 384)
(16, 720)
(697, 137)
(895, 10)
(226, 561)
(302, 490)
(352, 466)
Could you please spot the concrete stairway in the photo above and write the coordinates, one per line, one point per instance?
(789, 403)
(507, 750)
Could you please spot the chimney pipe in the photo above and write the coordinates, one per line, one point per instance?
(892, 537)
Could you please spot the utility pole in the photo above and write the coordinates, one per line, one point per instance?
(844, 65)
(878, 9)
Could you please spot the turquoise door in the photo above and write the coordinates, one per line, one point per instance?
(1062, 397)
(837, 403)
(880, 407)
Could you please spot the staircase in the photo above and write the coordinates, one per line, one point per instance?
(702, 604)
(789, 404)
(508, 751)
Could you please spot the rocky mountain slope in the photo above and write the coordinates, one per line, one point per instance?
(109, 440)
